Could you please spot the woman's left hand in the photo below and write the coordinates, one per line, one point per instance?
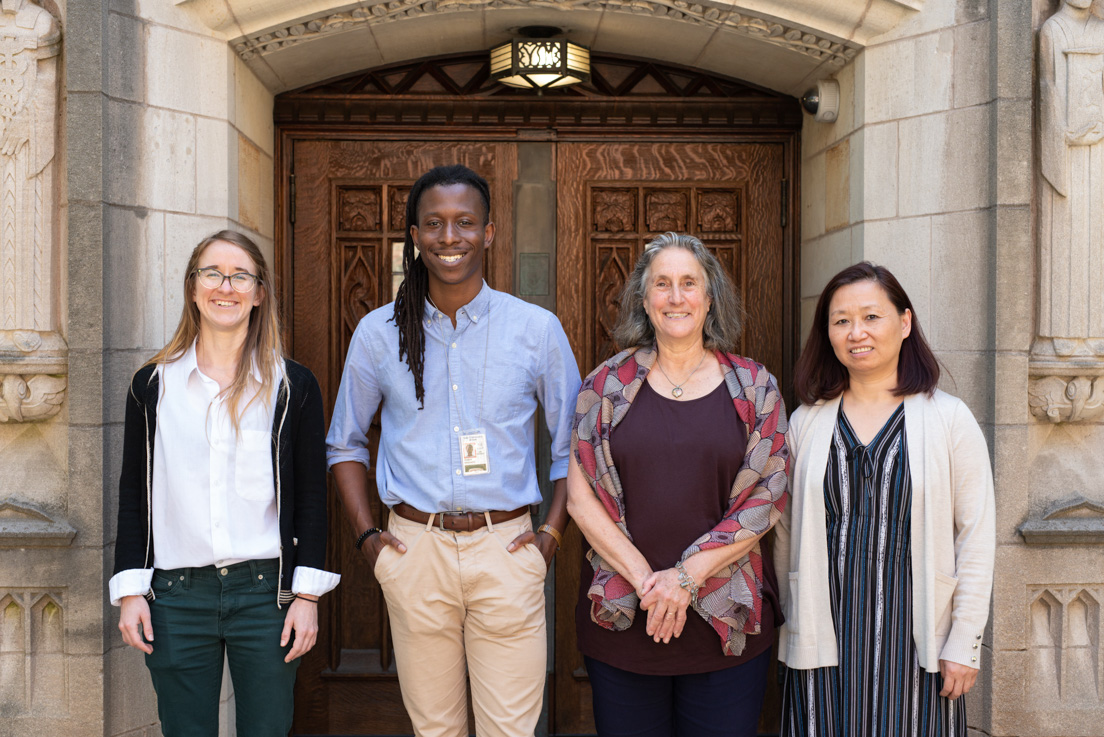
(665, 602)
(958, 679)
(302, 618)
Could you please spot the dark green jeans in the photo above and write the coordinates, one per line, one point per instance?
(200, 614)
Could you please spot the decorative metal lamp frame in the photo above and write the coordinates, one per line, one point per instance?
(539, 62)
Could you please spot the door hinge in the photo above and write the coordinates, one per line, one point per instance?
(784, 215)
(291, 198)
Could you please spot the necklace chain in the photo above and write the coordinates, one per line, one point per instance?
(677, 391)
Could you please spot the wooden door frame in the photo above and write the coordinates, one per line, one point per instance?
(731, 112)
(395, 104)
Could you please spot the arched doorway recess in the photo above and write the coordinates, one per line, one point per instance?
(581, 178)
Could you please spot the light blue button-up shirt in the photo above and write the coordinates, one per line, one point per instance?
(489, 372)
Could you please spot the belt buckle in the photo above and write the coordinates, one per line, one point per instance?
(441, 519)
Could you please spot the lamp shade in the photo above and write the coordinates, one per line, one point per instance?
(540, 63)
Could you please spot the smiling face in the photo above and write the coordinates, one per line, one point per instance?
(866, 331)
(223, 309)
(452, 230)
(676, 299)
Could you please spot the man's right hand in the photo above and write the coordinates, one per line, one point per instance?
(373, 545)
(134, 621)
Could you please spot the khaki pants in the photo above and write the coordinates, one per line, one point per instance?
(460, 604)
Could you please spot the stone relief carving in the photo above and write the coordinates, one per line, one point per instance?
(1073, 520)
(33, 678)
(1071, 235)
(32, 356)
(32, 381)
(836, 53)
(1064, 645)
(1067, 399)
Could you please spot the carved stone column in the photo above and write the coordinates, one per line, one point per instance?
(1067, 362)
(33, 361)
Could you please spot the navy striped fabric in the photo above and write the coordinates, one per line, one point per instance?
(879, 687)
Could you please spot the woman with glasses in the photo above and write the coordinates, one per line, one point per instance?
(222, 503)
(885, 554)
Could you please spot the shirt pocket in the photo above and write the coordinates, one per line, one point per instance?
(507, 389)
(253, 466)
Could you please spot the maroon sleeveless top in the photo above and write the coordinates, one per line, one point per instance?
(677, 461)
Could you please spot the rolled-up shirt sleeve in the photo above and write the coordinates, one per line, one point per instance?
(358, 398)
(313, 581)
(558, 389)
(131, 582)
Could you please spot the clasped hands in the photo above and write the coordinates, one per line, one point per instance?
(666, 602)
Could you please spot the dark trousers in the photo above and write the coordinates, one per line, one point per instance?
(199, 615)
(724, 703)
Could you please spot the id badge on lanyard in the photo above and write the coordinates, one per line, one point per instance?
(474, 459)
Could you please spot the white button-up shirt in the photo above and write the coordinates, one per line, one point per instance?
(214, 497)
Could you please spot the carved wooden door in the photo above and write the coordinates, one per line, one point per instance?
(611, 198)
(347, 225)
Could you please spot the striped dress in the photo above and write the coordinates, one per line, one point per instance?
(878, 688)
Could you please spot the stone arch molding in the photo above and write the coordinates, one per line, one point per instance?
(283, 40)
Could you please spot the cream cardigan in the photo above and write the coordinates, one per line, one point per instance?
(953, 535)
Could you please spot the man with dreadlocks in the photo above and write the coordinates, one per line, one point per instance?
(456, 370)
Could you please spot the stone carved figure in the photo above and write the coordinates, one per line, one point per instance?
(1071, 146)
(31, 355)
(28, 110)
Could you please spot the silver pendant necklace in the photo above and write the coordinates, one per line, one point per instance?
(677, 391)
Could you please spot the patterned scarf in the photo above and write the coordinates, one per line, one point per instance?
(731, 601)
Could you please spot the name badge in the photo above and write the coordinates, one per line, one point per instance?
(473, 453)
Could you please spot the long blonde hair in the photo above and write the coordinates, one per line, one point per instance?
(262, 340)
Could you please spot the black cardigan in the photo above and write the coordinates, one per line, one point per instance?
(298, 464)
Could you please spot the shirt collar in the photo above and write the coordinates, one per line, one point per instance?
(475, 310)
(189, 365)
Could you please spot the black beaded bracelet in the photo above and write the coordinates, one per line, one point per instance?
(365, 535)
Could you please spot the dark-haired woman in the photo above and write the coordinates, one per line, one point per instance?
(456, 370)
(222, 503)
(890, 528)
(679, 470)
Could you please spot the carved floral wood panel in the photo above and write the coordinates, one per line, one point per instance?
(616, 241)
(358, 209)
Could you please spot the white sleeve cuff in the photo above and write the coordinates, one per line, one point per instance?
(313, 581)
(131, 582)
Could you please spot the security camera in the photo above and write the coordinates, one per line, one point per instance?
(822, 101)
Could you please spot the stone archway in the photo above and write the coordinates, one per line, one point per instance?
(778, 45)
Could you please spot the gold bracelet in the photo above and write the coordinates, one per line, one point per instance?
(556, 535)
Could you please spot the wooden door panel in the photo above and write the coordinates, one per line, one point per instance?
(612, 198)
(349, 213)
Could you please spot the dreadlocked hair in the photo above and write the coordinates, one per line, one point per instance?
(414, 290)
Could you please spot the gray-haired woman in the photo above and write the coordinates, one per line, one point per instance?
(676, 474)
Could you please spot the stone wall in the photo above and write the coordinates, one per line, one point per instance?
(162, 137)
(188, 150)
(904, 178)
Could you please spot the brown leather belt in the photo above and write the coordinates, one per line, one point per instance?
(457, 521)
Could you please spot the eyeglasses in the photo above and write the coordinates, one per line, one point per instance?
(241, 281)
